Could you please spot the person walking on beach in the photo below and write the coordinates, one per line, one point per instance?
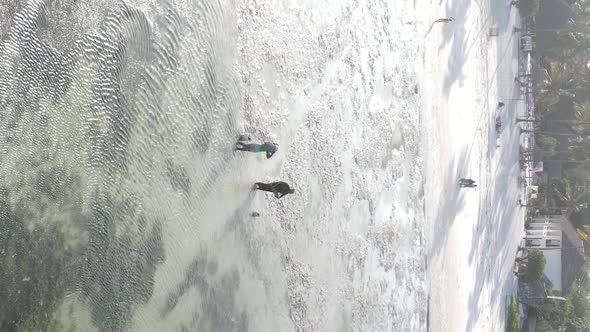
(279, 188)
(444, 20)
(463, 182)
(466, 181)
(267, 146)
(498, 124)
(500, 104)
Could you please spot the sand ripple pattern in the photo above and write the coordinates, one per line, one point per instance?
(109, 134)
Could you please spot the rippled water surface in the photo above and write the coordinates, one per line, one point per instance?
(123, 205)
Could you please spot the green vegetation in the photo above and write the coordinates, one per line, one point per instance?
(582, 114)
(512, 318)
(559, 80)
(577, 39)
(527, 7)
(535, 265)
(563, 94)
(572, 315)
(544, 203)
(572, 196)
(545, 145)
(543, 326)
(562, 118)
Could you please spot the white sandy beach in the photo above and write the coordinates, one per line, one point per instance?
(473, 233)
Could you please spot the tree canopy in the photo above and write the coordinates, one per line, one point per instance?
(573, 314)
(528, 7)
(535, 265)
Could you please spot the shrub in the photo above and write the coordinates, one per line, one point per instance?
(535, 265)
(543, 326)
(512, 318)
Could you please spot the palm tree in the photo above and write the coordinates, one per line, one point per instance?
(580, 148)
(558, 81)
(579, 170)
(584, 233)
(577, 37)
(545, 145)
(582, 113)
(573, 196)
